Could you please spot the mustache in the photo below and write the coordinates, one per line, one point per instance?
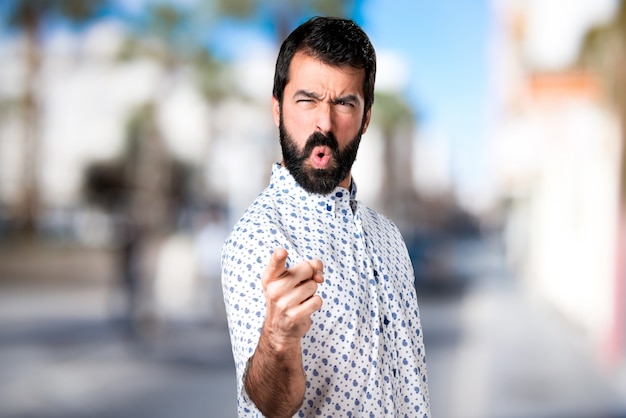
(319, 139)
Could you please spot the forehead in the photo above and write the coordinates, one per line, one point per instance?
(309, 73)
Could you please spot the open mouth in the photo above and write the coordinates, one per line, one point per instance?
(320, 157)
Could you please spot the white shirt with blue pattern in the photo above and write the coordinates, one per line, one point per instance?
(364, 353)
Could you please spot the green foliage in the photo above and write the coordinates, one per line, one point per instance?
(241, 9)
(30, 13)
(604, 53)
(391, 110)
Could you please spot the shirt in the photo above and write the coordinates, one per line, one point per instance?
(364, 353)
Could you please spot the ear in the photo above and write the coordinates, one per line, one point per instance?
(276, 111)
(368, 116)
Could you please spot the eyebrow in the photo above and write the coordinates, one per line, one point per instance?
(353, 98)
(350, 98)
(308, 94)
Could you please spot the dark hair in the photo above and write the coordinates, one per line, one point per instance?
(333, 41)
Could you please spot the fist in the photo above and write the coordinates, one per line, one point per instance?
(290, 296)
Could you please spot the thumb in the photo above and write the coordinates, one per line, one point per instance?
(318, 270)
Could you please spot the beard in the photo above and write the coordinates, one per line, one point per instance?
(318, 180)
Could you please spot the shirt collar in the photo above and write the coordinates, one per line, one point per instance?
(338, 202)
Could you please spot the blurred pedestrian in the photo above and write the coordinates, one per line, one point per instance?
(319, 289)
(128, 240)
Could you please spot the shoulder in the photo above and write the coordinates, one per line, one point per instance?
(261, 214)
(381, 229)
(257, 233)
(373, 218)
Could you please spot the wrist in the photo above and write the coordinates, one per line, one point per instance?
(280, 346)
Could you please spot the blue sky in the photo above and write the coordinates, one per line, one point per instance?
(445, 45)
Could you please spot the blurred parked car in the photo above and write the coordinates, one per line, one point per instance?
(438, 253)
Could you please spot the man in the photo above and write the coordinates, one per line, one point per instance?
(319, 289)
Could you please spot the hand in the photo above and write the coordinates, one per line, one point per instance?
(290, 298)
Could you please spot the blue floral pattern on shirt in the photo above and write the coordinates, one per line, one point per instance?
(364, 353)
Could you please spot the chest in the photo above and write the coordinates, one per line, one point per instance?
(364, 257)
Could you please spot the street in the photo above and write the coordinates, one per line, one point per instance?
(492, 352)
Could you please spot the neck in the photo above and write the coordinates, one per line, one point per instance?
(346, 182)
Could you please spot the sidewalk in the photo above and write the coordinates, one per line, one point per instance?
(86, 368)
(491, 352)
(494, 352)
(515, 358)
(63, 354)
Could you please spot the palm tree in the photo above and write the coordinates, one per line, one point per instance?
(29, 17)
(396, 120)
(164, 35)
(284, 16)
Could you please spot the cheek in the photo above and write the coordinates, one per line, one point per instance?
(299, 127)
(347, 129)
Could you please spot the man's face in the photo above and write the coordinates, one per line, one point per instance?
(321, 122)
(318, 180)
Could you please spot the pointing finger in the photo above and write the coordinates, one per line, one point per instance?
(276, 266)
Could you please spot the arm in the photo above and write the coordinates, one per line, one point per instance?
(275, 379)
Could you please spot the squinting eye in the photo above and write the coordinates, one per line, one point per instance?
(344, 103)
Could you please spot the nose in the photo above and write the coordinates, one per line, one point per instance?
(324, 121)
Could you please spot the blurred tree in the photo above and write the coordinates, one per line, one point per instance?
(604, 53)
(283, 15)
(393, 115)
(165, 35)
(32, 18)
(126, 185)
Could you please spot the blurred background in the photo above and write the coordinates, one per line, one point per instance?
(134, 133)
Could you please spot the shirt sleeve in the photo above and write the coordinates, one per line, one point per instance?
(245, 254)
